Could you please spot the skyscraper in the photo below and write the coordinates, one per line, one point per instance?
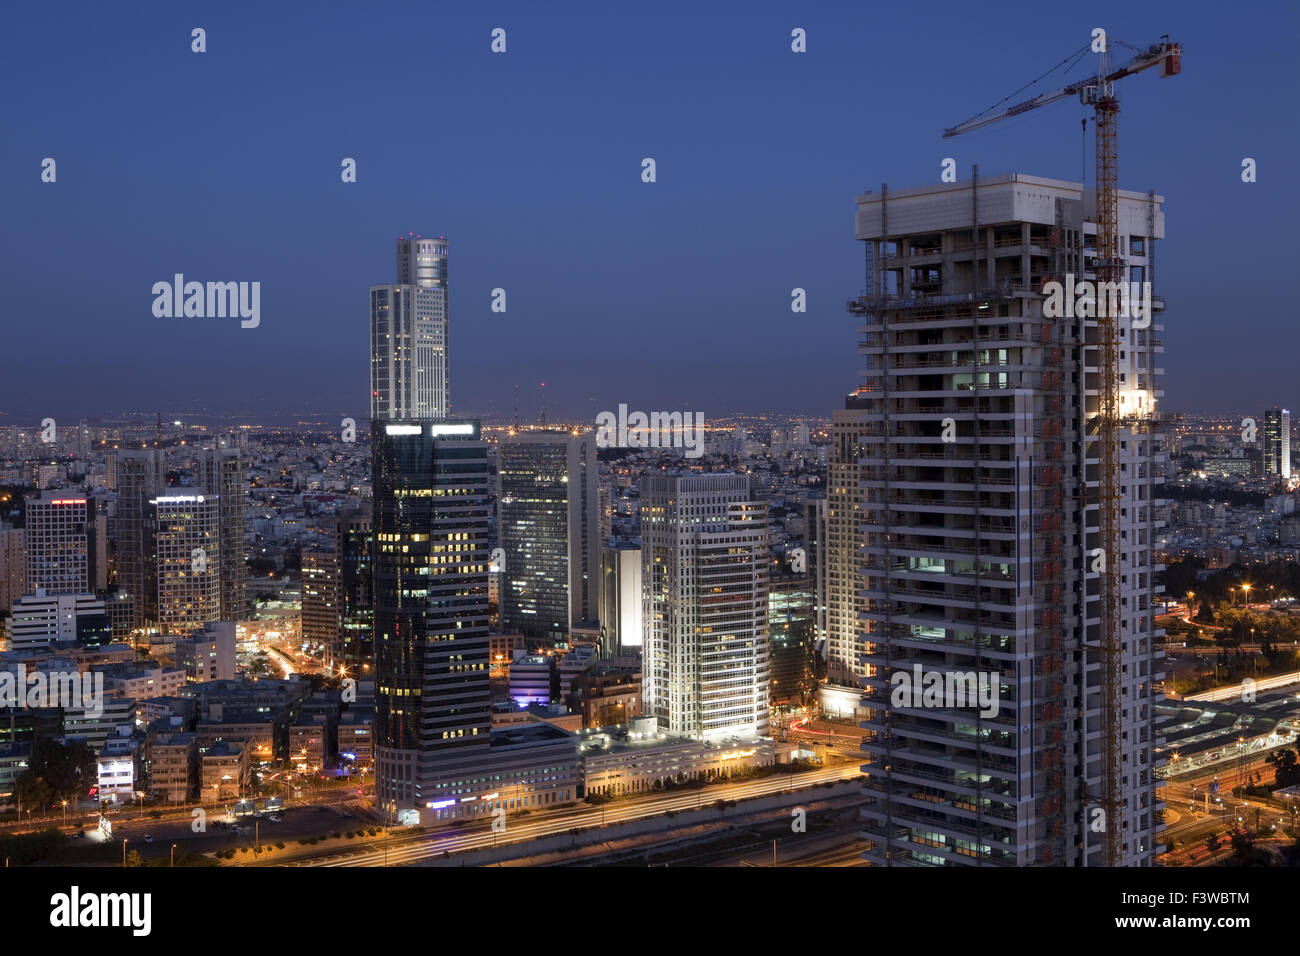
(141, 477)
(431, 524)
(705, 567)
(13, 564)
(1277, 442)
(320, 601)
(354, 544)
(981, 528)
(549, 526)
(408, 336)
(221, 473)
(620, 598)
(189, 560)
(62, 543)
(845, 603)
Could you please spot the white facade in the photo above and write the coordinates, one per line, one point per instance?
(39, 620)
(620, 598)
(705, 565)
(408, 336)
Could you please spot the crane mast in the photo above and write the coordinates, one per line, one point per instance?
(1108, 267)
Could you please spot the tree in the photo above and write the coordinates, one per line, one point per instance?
(68, 770)
(1212, 844)
(1286, 767)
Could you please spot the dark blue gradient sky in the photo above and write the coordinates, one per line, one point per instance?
(673, 295)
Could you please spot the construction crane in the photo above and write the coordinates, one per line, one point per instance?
(1098, 91)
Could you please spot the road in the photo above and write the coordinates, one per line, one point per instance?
(407, 849)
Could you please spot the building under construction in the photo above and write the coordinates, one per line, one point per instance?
(971, 457)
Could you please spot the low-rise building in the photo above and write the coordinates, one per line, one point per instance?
(173, 767)
(636, 757)
(224, 770)
(356, 738)
(117, 769)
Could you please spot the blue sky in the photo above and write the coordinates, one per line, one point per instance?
(672, 295)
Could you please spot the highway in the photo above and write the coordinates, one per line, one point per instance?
(414, 848)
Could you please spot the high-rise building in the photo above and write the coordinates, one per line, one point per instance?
(980, 564)
(548, 523)
(845, 603)
(620, 598)
(792, 623)
(408, 336)
(62, 540)
(13, 564)
(431, 525)
(1277, 442)
(705, 566)
(188, 544)
(141, 476)
(320, 600)
(354, 545)
(221, 473)
(814, 542)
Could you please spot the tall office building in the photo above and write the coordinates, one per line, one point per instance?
(549, 527)
(408, 336)
(13, 564)
(814, 544)
(1277, 442)
(705, 566)
(221, 473)
(188, 546)
(792, 622)
(845, 603)
(431, 525)
(620, 598)
(141, 476)
(62, 540)
(320, 601)
(354, 545)
(980, 517)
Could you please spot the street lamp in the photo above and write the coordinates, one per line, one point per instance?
(124, 853)
(173, 854)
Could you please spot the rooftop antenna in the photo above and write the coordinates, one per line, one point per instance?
(515, 426)
(543, 404)
(157, 442)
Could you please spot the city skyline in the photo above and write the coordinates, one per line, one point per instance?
(797, 475)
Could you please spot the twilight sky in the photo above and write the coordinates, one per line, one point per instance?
(225, 165)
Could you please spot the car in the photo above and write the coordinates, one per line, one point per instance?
(148, 838)
(275, 818)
